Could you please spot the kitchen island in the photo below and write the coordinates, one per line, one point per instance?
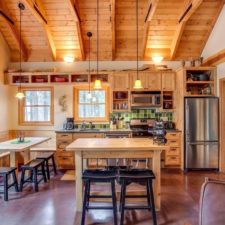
(93, 148)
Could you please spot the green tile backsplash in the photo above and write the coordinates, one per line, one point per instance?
(143, 113)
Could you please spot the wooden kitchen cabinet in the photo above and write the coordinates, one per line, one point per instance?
(121, 81)
(154, 81)
(168, 81)
(173, 155)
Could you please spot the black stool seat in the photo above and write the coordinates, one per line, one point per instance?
(99, 176)
(33, 166)
(143, 177)
(136, 174)
(47, 157)
(5, 172)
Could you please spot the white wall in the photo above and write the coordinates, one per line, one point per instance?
(4, 107)
(216, 41)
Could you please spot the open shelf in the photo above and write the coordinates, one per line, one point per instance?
(39, 79)
(120, 101)
(168, 100)
(79, 78)
(20, 79)
(60, 78)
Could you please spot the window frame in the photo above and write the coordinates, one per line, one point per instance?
(21, 102)
(76, 103)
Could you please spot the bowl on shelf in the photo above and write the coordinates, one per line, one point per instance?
(60, 79)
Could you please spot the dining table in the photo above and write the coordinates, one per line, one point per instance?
(106, 148)
(14, 146)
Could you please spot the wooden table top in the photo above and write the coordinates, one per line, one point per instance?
(29, 142)
(115, 144)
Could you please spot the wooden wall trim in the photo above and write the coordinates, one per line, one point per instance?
(215, 59)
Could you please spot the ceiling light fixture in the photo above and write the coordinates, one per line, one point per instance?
(137, 83)
(89, 34)
(98, 82)
(68, 59)
(20, 94)
(157, 59)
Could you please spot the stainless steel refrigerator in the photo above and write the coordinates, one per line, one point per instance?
(201, 133)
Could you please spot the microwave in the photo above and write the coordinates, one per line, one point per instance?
(145, 99)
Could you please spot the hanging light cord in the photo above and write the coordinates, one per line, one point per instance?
(20, 46)
(89, 64)
(137, 37)
(97, 35)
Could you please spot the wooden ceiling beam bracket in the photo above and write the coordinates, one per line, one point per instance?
(74, 10)
(14, 32)
(152, 5)
(215, 59)
(38, 12)
(190, 7)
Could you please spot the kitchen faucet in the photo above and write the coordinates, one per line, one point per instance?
(83, 125)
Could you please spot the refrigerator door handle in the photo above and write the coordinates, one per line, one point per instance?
(203, 143)
(187, 123)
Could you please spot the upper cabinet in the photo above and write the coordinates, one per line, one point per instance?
(121, 81)
(154, 80)
(151, 81)
(168, 81)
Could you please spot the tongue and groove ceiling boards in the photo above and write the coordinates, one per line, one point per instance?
(53, 29)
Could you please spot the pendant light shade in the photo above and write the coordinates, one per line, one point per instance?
(20, 94)
(98, 82)
(137, 83)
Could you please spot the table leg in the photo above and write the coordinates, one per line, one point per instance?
(26, 156)
(79, 183)
(156, 167)
(13, 162)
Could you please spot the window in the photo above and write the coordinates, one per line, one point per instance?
(94, 109)
(37, 106)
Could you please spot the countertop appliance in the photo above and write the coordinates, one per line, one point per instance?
(69, 124)
(145, 99)
(201, 135)
(142, 127)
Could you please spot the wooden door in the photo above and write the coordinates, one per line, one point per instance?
(154, 81)
(168, 81)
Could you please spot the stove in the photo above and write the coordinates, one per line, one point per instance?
(142, 127)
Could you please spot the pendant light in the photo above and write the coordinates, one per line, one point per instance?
(137, 83)
(20, 94)
(98, 83)
(89, 34)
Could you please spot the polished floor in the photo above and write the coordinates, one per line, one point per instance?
(54, 204)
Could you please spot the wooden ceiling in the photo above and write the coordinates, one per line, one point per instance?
(52, 29)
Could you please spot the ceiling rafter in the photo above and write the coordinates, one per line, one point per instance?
(215, 59)
(152, 5)
(113, 22)
(38, 12)
(189, 8)
(14, 32)
(74, 10)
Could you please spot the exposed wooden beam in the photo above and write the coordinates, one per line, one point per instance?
(215, 59)
(113, 22)
(152, 5)
(74, 10)
(38, 12)
(14, 32)
(189, 9)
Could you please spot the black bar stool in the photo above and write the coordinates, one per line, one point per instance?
(47, 157)
(33, 166)
(143, 177)
(99, 176)
(5, 172)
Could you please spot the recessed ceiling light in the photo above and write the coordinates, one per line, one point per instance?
(68, 59)
(157, 59)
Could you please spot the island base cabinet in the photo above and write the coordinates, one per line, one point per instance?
(173, 155)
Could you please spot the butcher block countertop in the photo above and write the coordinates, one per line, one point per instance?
(115, 144)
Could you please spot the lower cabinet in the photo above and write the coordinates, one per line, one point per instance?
(65, 159)
(173, 155)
